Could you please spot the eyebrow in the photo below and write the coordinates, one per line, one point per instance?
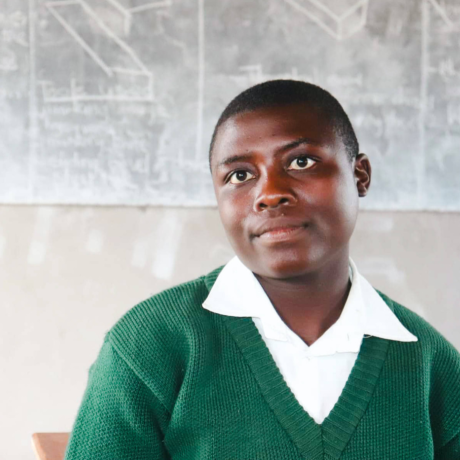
(234, 159)
(296, 143)
(248, 156)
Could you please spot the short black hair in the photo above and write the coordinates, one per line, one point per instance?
(286, 92)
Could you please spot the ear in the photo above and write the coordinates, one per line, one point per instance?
(362, 172)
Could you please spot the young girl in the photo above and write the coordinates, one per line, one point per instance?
(287, 352)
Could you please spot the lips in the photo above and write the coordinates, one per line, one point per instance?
(279, 230)
(281, 234)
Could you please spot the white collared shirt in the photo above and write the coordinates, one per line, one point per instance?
(318, 373)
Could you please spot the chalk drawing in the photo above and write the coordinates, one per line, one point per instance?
(33, 121)
(13, 27)
(446, 69)
(128, 12)
(136, 69)
(201, 69)
(77, 93)
(424, 66)
(338, 25)
(425, 69)
(13, 31)
(253, 74)
(156, 51)
(442, 12)
(8, 60)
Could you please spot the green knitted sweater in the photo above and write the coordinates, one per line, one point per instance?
(175, 381)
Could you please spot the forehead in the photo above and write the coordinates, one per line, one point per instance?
(268, 127)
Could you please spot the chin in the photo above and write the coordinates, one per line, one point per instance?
(287, 263)
(286, 270)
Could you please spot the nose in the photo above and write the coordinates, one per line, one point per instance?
(273, 194)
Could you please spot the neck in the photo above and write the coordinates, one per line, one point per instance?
(310, 304)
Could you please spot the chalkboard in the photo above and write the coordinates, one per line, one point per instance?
(113, 102)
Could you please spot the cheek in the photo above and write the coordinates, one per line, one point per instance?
(232, 212)
(348, 214)
(339, 202)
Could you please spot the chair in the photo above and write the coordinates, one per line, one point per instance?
(50, 446)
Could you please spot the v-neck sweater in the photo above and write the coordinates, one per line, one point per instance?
(318, 373)
(175, 381)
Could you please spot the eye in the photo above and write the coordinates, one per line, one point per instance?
(239, 177)
(302, 163)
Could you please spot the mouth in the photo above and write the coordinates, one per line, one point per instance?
(282, 233)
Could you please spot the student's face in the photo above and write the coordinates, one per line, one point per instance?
(286, 190)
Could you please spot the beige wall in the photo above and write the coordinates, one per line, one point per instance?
(68, 273)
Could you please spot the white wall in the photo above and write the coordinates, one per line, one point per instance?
(68, 273)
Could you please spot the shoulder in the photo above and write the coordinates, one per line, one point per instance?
(155, 337)
(439, 361)
(166, 312)
(436, 348)
(429, 338)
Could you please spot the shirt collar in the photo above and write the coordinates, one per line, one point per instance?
(237, 292)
